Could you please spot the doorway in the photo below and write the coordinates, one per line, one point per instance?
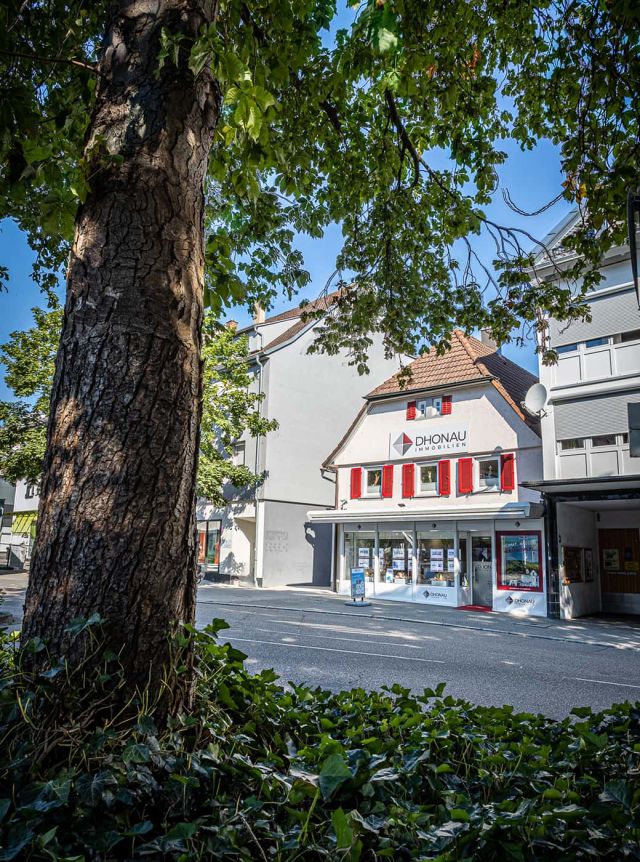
(620, 569)
(482, 570)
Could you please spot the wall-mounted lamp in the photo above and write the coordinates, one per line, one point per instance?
(517, 523)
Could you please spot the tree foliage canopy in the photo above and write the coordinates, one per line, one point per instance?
(343, 116)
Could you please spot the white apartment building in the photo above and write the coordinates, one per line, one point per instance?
(429, 502)
(263, 536)
(591, 482)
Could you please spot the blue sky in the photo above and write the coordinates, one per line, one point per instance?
(532, 178)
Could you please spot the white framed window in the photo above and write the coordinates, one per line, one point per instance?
(604, 440)
(238, 454)
(427, 478)
(572, 443)
(427, 407)
(488, 473)
(372, 481)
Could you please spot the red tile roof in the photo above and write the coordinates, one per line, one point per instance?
(467, 361)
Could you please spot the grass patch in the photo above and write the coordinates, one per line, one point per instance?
(258, 772)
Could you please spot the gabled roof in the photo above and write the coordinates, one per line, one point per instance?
(468, 361)
(294, 314)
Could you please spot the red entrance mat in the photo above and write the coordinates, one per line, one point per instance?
(484, 608)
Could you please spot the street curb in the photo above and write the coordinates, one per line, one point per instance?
(439, 623)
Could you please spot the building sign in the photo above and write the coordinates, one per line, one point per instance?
(430, 440)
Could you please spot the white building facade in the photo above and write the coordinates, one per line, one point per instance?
(591, 479)
(263, 536)
(428, 499)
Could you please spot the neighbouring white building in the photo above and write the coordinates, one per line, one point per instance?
(264, 536)
(591, 481)
(429, 502)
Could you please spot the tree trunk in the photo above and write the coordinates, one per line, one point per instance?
(116, 525)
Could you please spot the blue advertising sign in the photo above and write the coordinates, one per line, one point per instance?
(357, 583)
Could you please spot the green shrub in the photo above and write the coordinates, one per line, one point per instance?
(262, 772)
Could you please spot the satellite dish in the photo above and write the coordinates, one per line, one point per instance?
(536, 399)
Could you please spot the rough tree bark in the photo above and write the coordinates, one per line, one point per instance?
(116, 528)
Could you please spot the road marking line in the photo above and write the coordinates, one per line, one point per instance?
(336, 638)
(606, 682)
(348, 651)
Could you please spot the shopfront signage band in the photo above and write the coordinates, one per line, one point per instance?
(434, 440)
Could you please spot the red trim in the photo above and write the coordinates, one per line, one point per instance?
(356, 483)
(408, 480)
(444, 478)
(465, 475)
(387, 480)
(446, 405)
(499, 584)
(508, 472)
(411, 409)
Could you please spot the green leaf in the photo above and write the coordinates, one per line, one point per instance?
(333, 774)
(618, 792)
(342, 828)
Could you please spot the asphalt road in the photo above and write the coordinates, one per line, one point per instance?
(533, 667)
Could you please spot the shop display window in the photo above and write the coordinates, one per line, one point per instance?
(519, 561)
(209, 533)
(428, 478)
(436, 559)
(359, 549)
(373, 481)
(395, 548)
(489, 473)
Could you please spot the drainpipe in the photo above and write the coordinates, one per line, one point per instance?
(257, 582)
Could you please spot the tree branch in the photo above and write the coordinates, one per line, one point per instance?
(332, 113)
(404, 137)
(37, 58)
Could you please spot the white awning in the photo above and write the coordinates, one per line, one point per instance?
(510, 510)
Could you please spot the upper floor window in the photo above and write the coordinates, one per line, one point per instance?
(566, 348)
(489, 473)
(373, 481)
(428, 478)
(238, 454)
(426, 407)
(572, 443)
(604, 440)
(632, 335)
(596, 342)
(32, 490)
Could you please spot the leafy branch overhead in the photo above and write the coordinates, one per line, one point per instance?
(387, 116)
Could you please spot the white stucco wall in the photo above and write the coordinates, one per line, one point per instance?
(314, 397)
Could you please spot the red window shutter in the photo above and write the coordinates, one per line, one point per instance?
(408, 485)
(411, 409)
(356, 483)
(465, 475)
(444, 478)
(508, 472)
(387, 480)
(447, 401)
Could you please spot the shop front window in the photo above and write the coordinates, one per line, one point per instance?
(436, 559)
(396, 554)
(373, 481)
(209, 533)
(359, 548)
(519, 561)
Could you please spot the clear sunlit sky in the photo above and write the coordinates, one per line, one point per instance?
(532, 178)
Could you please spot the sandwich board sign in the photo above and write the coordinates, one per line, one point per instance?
(357, 584)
